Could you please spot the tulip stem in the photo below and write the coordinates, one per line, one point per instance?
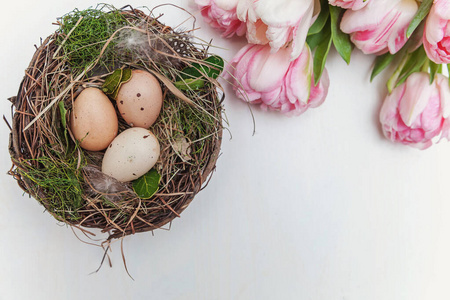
(426, 66)
(393, 80)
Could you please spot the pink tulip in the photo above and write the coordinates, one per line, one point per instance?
(436, 38)
(416, 111)
(278, 22)
(274, 81)
(380, 26)
(350, 4)
(221, 14)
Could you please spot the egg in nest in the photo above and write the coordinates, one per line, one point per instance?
(140, 99)
(93, 120)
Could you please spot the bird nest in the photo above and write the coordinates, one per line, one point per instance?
(48, 162)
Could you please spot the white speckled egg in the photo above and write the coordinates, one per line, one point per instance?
(140, 99)
(93, 120)
(131, 154)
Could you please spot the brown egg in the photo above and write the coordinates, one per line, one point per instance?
(140, 99)
(93, 120)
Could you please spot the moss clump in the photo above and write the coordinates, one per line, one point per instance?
(58, 185)
(83, 34)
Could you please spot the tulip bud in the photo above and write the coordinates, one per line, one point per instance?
(380, 26)
(436, 39)
(278, 23)
(221, 15)
(275, 82)
(416, 111)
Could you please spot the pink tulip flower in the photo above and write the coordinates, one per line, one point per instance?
(278, 22)
(350, 4)
(416, 111)
(436, 38)
(275, 82)
(380, 26)
(221, 15)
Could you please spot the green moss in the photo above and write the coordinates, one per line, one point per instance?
(57, 184)
(82, 41)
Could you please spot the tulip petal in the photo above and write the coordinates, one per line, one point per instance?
(319, 92)
(299, 35)
(282, 13)
(418, 92)
(267, 70)
(298, 79)
(227, 4)
(444, 94)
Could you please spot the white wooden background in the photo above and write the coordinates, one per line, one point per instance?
(319, 206)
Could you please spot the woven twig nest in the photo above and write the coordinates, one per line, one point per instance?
(49, 164)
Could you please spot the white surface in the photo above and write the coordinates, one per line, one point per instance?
(319, 206)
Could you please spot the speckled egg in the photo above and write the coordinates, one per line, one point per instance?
(131, 154)
(93, 120)
(140, 99)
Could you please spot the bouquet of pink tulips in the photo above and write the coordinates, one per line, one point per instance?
(283, 66)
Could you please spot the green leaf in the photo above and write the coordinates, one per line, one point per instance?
(321, 20)
(112, 81)
(320, 56)
(448, 70)
(126, 76)
(381, 63)
(190, 84)
(421, 13)
(341, 40)
(314, 40)
(393, 79)
(415, 62)
(212, 68)
(63, 112)
(147, 185)
(217, 63)
(434, 69)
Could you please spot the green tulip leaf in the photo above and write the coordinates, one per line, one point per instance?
(434, 69)
(147, 185)
(413, 64)
(381, 63)
(448, 70)
(321, 20)
(314, 40)
(321, 54)
(341, 40)
(421, 13)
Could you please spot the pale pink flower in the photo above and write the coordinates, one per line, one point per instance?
(416, 111)
(278, 23)
(380, 26)
(275, 82)
(221, 15)
(436, 38)
(350, 4)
